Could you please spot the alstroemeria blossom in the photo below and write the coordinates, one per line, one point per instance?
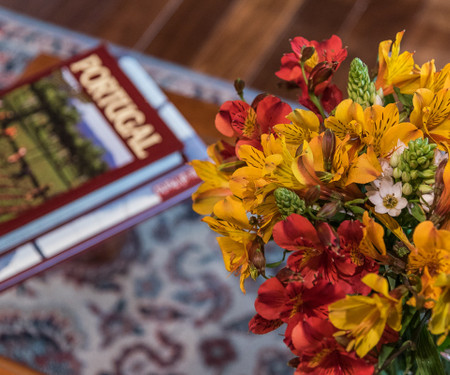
(319, 252)
(292, 301)
(319, 68)
(393, 65)
(365, 317)
(248, 122)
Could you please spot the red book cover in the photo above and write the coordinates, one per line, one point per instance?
(76, 129)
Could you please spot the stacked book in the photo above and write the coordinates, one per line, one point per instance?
(88, 148)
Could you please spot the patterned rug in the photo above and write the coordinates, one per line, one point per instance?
(164, 305)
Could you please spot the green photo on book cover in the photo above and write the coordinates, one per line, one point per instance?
(52, 138)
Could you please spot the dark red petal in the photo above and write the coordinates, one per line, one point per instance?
(351, 231)
(294, 232)
(310, 333)
(260, 326)
(271, 111)
(271, 300)
(327, 235)
(225, 117)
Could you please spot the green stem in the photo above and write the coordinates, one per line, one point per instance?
(316, 102)
(406, 345)
(276, 264)
(312, 96)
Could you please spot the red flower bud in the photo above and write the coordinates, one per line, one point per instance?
(307, 52)
(328, 149)
(329, 209)
(320, 73)
(312, 195)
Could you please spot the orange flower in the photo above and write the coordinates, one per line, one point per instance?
(393, 66)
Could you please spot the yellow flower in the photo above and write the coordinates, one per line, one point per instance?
(303, 127)
(424, 77)
(265, 171)
(372, 244)
(377, 127)
(384, 130)
(440, 317)
(393, 66)
(428, 294)
(318, 165)
(364, 318)
(348, 120)
(273, 164)
(216, 182)
(240, 241)
(432, 250)
(432, 114)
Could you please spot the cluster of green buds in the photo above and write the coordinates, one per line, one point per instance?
(360, 88)
(415, 167)
(288, 202)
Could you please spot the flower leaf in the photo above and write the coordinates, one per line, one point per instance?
(428, 358)
(418, 212)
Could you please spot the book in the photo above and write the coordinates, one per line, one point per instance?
(123, 149)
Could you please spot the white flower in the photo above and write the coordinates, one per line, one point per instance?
(439, 156)
(388, 197)
(386, 168)
(426, 200)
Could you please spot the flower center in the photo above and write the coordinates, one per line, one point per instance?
(297, 304)
(390, 201)
(315, 361)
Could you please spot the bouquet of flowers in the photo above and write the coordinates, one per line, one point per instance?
(356, 194)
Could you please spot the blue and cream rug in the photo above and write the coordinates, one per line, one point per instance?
(164, 305)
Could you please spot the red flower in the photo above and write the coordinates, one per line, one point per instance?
(319, 69)
(228, 113)
(319, 251)
(247, 123)
(329, 50)
(292, 302)
(333, 360)
(320, 353)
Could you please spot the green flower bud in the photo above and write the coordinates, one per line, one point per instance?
(407, 189)
(413, 164)
(427, 173)
(288, 202)
(425, 189)
(395, 160)
(397, 173)
(360, 88)
(430, 155)
(414, 174)
(254, 273)
(406, 177)
(401, 250)
(422, 160)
